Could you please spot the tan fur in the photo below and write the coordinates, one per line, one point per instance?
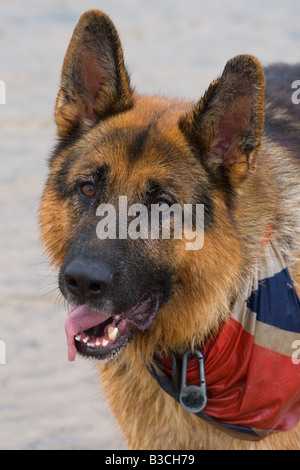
(207, 279)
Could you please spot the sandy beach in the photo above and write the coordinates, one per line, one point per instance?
(171, 47)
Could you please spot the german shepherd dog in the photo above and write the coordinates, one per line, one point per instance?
(197, 348)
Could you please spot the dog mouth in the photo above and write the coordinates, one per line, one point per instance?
(100, 336)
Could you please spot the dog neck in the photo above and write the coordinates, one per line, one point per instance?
(251, 381)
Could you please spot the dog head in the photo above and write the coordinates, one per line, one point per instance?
(117, 151)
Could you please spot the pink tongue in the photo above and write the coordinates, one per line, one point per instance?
(80, 319)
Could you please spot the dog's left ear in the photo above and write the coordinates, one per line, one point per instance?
(225, 127)
(94, 80)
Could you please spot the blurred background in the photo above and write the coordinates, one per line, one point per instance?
(171, 47)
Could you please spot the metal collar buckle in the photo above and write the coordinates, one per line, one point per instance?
(193, 398)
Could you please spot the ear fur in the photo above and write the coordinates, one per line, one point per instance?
(94, 80)
(226, 125)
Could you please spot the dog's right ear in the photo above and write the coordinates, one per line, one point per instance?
(94, 80)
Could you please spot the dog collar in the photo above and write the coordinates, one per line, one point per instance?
(246, 380)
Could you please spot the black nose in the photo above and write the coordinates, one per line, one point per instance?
(87, 279)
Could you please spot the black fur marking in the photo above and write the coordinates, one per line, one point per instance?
(202, 194)
(138, 143)
(65, 143)
(62, 189)
(154, 190)
(65, 190)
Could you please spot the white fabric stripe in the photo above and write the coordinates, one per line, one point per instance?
(277, 340)
(265, 335)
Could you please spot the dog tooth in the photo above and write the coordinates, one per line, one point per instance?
(78, 337)
(104, 342)
(112, 332)
(85, 339)
(98, 342)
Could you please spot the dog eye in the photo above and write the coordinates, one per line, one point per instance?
(88, 189)
(161, 205)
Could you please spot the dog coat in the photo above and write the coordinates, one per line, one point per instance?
(252, 368)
